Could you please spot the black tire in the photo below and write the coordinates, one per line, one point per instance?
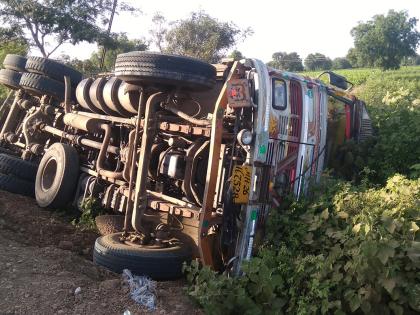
(42, 85)
(17, 167)
(15, 62)
(6, 151)
(10, 78)
(57, 176)
(16, 185)
(140, 67)
(82, 95)
(159, 264)
(53, 69)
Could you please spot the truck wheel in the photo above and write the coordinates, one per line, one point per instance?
(57, 175)
(82, 95)
(4, 150)
(53, 69)
(10, 78)
(40, 85)
(157, 263)
(138, 67)
(15, 62)
(15, 166)
(16, 185)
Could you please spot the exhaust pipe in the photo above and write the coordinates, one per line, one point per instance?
(149, 133)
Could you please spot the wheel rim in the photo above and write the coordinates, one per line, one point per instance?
(48, 174)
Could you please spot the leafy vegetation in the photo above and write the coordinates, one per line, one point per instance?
(91, 66)
(286, 61)
(385, 40)
(355, 246)
(393, 101)
(341, 63)
(10, 47)
(198, 35)
(91, 208)
(352, 249)
(317, 61)
(47, 24)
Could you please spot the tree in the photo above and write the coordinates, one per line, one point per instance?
(385, 40)
(411, 61)
(203, 37)
(121, 44)
(317, 61)
(236, 55)
(285, 61)
(159, 31)
(341, 63)
(354, 58)
(43, 23)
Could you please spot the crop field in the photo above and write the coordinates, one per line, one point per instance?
(360, 76)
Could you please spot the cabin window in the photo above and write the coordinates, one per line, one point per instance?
(279, 98)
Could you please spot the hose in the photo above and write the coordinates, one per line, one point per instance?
(195, 121)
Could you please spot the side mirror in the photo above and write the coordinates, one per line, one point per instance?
(337, 80)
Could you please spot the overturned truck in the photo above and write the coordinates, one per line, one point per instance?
(192, 156)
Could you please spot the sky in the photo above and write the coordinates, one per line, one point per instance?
(303, 26)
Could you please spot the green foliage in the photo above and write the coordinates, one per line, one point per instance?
(354, 58)
(91, 208)
(286, 61)
(394, 106)
(393, 101)
(11, 47)
(203, 37)
(411, 61)
(385, 40)
(159, 30)
(317, 61)
(341, 63)
(236, 55)
(57, 20)
(120, 44)
(350, 250)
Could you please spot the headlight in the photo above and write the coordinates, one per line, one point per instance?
(245, 137)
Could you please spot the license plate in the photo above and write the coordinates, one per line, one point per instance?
(241, 184)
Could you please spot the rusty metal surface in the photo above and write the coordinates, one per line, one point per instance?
(206, 216)
(100, 162)
(82, 122)
(150, 129)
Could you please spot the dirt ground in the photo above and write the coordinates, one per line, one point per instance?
(44, 259)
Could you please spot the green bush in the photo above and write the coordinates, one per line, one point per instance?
(91, 208)
(393, 101)
(15, 47)
(351, 250)
(394, 106)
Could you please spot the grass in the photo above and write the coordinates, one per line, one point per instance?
(361, 75)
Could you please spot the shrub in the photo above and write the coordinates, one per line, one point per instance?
(352, 249)
(394, 106)
(91, 208)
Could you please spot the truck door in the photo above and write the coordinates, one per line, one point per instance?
(285, 132)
